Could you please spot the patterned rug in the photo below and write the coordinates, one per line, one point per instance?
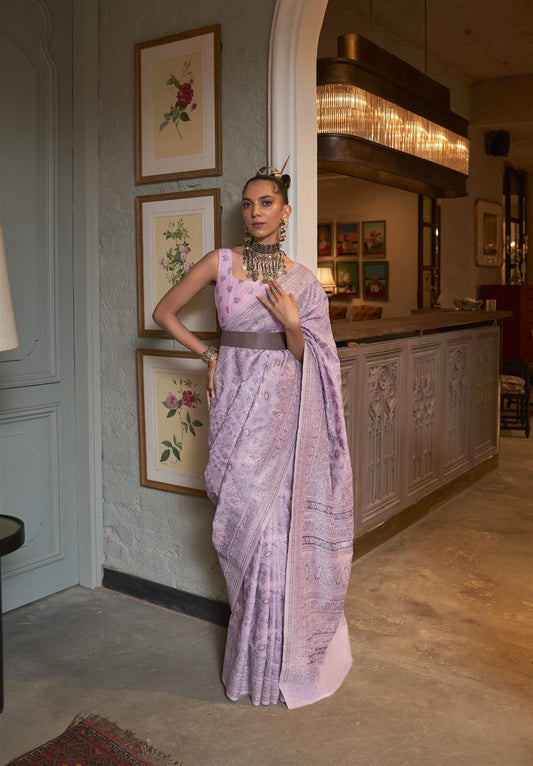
(94, 740)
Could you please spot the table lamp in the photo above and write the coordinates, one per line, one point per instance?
(325, 277)
(8, 331)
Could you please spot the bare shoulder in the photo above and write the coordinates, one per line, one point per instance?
(211, 257)
(208, 265)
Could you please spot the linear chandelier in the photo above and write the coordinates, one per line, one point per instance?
(379, 118)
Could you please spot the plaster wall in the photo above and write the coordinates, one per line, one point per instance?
(494, 104)
(507, 103)
(159, 535)
(346, 200)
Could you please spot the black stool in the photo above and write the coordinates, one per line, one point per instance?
(11, 538)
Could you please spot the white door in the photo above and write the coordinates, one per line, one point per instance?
(37, 407)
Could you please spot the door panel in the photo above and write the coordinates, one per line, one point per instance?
(37, 419)
(27, 98)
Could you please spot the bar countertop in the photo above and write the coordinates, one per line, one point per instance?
(417, 323)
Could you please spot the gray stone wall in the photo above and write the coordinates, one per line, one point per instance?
(159, 535)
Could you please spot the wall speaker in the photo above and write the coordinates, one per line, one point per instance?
(497, 143)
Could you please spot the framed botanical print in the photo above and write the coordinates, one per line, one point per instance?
(173, 420)
(177, 106)
(174, 231)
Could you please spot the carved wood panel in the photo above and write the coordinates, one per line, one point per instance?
(426, 411)
(381, 461)
(423, 426)
(457, 417)
(486, 387)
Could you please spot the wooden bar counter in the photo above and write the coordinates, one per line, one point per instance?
(421, 404)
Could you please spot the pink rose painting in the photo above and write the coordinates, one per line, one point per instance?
(185, 94)
(172, 401)
(188, 398)
(182, 103)
(185, 395)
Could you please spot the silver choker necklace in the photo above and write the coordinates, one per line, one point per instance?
(263, 262)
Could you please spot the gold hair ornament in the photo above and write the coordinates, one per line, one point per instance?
(268, 170)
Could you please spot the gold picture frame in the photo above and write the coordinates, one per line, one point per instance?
(177, 106)
(173, 420)
(174, 231)
(489, 234)
(376, 281)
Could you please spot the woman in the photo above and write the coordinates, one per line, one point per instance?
(279, 469)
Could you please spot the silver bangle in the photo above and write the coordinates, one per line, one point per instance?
(209, 355)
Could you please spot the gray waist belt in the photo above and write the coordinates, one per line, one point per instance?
(275, 341)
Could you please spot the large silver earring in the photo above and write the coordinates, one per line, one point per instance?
(282, 229)
(247, 237)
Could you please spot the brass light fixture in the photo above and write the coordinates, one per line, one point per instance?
(381, 119)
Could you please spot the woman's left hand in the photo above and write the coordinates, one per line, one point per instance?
(281, 305)
(284, 308)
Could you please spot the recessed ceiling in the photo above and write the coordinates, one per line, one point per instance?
(477, 39)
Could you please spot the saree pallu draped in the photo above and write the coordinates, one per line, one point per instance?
(280, 476)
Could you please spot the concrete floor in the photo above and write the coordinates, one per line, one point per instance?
(440, 632)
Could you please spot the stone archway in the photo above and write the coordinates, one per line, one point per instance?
(292, 114)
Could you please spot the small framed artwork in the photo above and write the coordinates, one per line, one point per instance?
(489, 234)
(174, 231)
(348, 277)
(347, 239)
(376, 281)
(374, 239)
(173, 420)
(324, 239)
(177, 106)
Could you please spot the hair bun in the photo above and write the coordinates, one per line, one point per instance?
(286, 180)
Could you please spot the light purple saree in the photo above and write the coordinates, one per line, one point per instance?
(279, 474)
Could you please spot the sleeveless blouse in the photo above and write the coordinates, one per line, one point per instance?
(231, 294)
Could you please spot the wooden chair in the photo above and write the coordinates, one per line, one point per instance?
(354, 312)
(361, 311)
(337, 312)
(514, 396)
